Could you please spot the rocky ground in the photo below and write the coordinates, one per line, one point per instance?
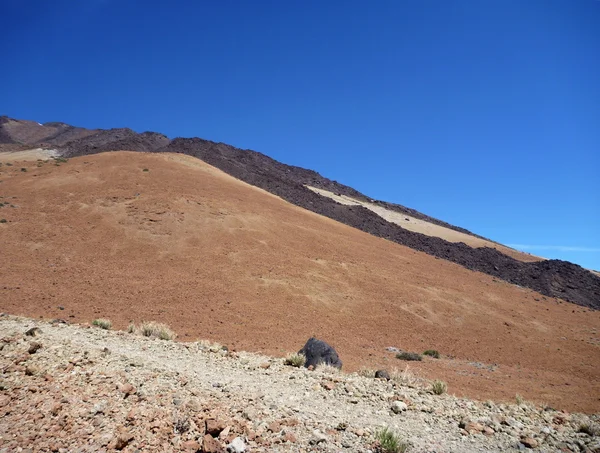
(70, 388)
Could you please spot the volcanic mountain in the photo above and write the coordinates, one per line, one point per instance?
(260, 256)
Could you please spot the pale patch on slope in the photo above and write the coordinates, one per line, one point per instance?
(27, 155)
(420, 226)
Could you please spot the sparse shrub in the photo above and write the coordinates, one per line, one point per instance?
(3, 220)
(407, 378)
(409, 356)
(327, 369)
(23, 169)
(207, 345)
(366, 372)
(154, 329)
(590, 429)
(131, 328)
(519, 399)
(145, 169)
(295, 359)
(8, 164)
(432, 353)
(61, 160)
(105, 324)
(389, 442)
(439, 387)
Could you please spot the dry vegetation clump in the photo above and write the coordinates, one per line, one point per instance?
(366, 372)
(387, 441)
(105, 324)
(407, 378)
(327, 369)
(409, 356)
(439, 387)
(432, 353)
(153, 329)
(295, 360)
(210, 346)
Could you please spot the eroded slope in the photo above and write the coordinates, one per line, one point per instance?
(187, 244)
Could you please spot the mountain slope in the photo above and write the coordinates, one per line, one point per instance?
(186, 244)
(553, 278)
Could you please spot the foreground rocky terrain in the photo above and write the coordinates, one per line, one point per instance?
(552, 278)
(69, 388)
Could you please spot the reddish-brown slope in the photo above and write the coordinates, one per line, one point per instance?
(216, 258)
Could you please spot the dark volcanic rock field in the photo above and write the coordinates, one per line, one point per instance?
(553, 278)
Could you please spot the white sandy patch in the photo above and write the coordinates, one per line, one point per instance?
(420, 226)
(28, 154)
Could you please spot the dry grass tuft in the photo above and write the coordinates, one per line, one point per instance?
(439, 387)
(366, 372)
(105, 324)
(327, 369)
(295, 360)
(153, 329)
(389, 442)
(407, 378)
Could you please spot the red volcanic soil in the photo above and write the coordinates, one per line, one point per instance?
(216, 258)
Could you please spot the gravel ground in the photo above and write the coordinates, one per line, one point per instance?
(71, 388)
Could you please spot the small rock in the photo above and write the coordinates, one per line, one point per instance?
(31, 370)
(211, 445)
(289, 437)
(190, 445)
(265, 366)
(328, 385)
(213, 427)
(121, 439)
(382, 374)
(474, 427)
(529, 442)
(34, 347)
(237, 445)
(127, 389)
(318, 437)
(399, 406)
(33, 332)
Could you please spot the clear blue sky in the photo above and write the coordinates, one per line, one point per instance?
(485, 114)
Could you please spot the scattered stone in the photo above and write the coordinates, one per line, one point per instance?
(289, 437)
(529, 442)
(34, 347)
(33, 332)
(318, 437)
(382, 374)
(399, 406)
(328, 385)
(127, 389)
(237, 445)
(211, 445)
(213, 427)
(190, 445)
(121, 439)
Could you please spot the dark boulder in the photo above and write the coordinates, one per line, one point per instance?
(382, 374)
(318, 352)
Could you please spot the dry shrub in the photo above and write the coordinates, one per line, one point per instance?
(105, 324)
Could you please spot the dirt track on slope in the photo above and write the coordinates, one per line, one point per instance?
(216, 258)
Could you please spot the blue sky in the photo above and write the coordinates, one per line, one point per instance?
(485, 114)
